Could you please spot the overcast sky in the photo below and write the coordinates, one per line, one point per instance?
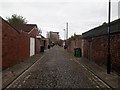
(52, 15)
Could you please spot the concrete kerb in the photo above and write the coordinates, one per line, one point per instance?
(17, 70)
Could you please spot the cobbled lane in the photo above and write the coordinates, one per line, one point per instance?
(57, 70)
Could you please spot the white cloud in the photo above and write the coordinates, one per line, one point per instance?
(58, 0)
(52, 15)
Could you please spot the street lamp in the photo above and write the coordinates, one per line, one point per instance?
(109, 54)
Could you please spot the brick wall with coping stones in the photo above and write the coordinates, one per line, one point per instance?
(74, 44)
(10, 45)
(15, 45)
(47, 43)
(97, 50)
(85, 48)
(33, 34)
(71, 46)
(95, 45)
(24, 46)
(115, 51)
(37, 51)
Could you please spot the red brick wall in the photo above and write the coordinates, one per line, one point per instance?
(47, 43)
(115, 51)
(24, 46)
(79, 43)
(74, 44)
(10, 44)
(15, 45)
(85, 48)
(37, 45)
(34, 33)
(96, 49)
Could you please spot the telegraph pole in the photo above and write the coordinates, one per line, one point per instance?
(109, 53)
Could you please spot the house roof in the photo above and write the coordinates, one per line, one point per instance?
(103, 30)
(42, 37)
(25, 27)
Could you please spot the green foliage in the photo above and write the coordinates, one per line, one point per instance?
(16, 19)
(75, 37)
